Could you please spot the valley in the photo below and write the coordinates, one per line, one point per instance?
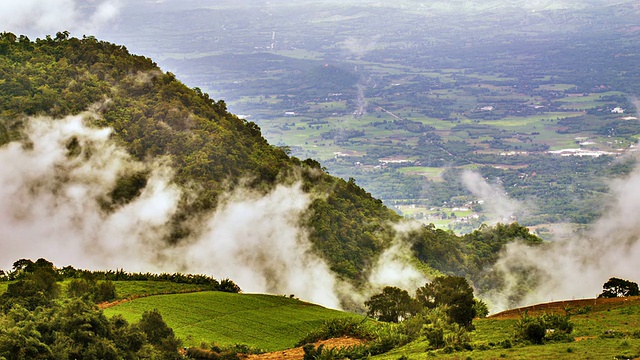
(406, 107)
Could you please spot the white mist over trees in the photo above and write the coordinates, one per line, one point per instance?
(54, 187)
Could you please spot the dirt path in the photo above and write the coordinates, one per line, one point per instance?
(572, 305)
(298, 353)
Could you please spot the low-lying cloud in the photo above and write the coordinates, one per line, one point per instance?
(41, 17)
(498, 206)
(577, 266)
(53, 207)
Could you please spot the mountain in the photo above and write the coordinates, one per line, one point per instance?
(214, 159)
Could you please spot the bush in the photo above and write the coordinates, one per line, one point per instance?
(534, 332)
(337, 328)
(550, 327)
(90, 289)
(435, 336)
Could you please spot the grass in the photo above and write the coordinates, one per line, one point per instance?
(128, 289)
(621, 318)
(266, 322)
(432, 173)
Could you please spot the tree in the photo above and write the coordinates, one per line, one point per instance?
(38, 285)
(455, 293)
(391, 305)
(615, 287)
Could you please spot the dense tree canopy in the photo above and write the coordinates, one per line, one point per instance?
(616, 287)
(451, 294)
(37, 323)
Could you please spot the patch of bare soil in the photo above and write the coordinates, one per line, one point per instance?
(107, 304)
(298, 353)
(570, 305)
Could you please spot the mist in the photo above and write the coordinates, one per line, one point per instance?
(575, 264)
(395, 266)
(578, 265)
(52, 208)
(46, 17)
(495, 200)
(55, 184)
(51, 200)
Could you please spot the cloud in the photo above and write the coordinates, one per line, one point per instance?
(394, 268)
(257, 240)
(579, 263)
(498, 206)
(43, 17)
(359, 47)
(53, 206)
(51, 199)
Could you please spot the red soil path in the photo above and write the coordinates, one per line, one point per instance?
(298, 353)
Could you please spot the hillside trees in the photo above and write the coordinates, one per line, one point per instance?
(615, 287)
(154, 115)
(451, 294)
(391, 305)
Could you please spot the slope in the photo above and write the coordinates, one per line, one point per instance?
(154, 116)
(602, 329)
(211, 152)
(265, 322)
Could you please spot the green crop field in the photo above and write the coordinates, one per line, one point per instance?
(128, 289)
(266, 322)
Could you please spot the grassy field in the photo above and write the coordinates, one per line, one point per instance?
(602, 330)
(262, 321)
(128, 289)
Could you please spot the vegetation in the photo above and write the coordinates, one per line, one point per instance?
(603, 329)
(615, 287)
(261, 322)
(452, 294)
(36, 322)
(153, 114)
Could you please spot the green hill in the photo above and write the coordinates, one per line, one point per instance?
(154, 115)
(265, 322)
(211, 152)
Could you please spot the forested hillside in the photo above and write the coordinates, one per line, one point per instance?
(154, 115)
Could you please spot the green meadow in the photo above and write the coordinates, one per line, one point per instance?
(265, 322)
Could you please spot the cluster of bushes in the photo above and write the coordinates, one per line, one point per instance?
(92, 290)
(381, 337)
(543, 328)
(217, 352)
(441, 311)
(37, 324)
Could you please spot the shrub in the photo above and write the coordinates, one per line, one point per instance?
(550, 327)
(534, 332)
(339, 327)
(435, 336)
